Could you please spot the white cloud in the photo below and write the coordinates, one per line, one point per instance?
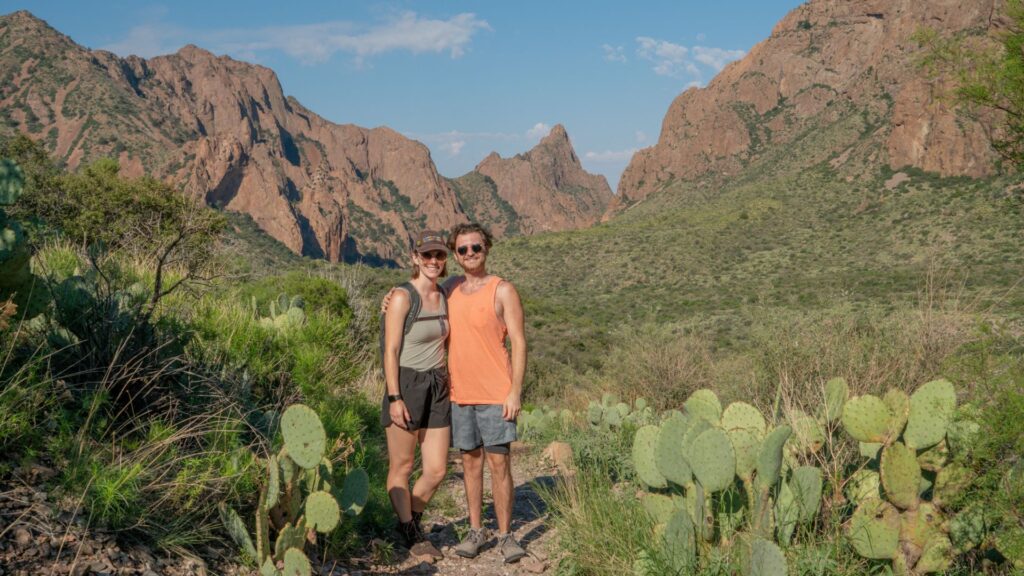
(454, 147)
(538, 131)
(315, 43)
(675, 60)
(716, 58)
(148, 40)
(609, 156)
(613, 53)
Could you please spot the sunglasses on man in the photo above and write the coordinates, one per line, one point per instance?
(463, 250)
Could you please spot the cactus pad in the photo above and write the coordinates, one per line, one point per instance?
(288, 537)
(874, 530)
(595, 413)
(669, 458)
(660, 507)
(805, 483)
(680, 541)
(296, 563)
(769, 460)
(236, 529)
(304, 435)
(863, 485)
(869, 449)
(608, 400)
(931, 411)
(273, 482)
(836, 393)
(765, 559)
(787, 514)
(355, 491)
(639, 404)
(322, 513)
(950, 482)
(712, 459)
(743, 416)
(746, 445)
(867, 418)
(1010, 543)
(937, 555)
(899, 404)
(645, 443)
(968, 528)
(961, 434)
(901, 476)
(612, 417)
(704, 404)
(934, 458)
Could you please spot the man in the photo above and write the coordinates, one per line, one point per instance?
(486, 383)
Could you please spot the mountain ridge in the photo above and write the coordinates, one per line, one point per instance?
(224, 130)
(822, 60)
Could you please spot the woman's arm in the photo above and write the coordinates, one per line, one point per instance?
(394, 326)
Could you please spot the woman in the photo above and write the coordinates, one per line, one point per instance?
(416, 408)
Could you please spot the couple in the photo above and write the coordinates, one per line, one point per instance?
(477, 413)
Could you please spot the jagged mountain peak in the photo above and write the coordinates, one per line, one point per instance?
(540, 190)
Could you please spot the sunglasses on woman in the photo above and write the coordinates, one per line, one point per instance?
(438, 255)
(476, 248)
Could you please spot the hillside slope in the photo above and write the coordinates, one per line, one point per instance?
(823, 62)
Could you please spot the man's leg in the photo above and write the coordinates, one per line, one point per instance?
(502, 488)
(473, 478)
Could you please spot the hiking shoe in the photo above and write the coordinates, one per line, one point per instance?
(510, 549)
(471, 544)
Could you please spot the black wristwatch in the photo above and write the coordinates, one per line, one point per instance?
(394, 397)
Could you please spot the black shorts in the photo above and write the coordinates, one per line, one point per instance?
(426, 398)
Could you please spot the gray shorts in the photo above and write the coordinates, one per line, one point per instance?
(476, 425)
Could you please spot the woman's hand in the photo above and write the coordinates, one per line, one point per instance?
(399, 414)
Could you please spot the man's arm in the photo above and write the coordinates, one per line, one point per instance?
(512, 315)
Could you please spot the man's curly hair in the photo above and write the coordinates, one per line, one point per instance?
(469, 228)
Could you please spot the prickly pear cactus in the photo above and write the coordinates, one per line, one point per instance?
(713, 460)
(931, 411)
(704, 404)
(867, 418)
(15, 274)
(644, 449)
(836, 394)
(304, 435)
(765, 559)
(298, 495)
(874, 529)
(901, 476)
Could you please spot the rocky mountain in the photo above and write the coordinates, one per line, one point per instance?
(542, 190)
(826, 63)
(224, 131)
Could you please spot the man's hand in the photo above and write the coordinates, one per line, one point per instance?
(399, 414)
(510, 409)
(387, 300)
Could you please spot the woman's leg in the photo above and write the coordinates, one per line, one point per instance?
(401, 453)
(434, 444)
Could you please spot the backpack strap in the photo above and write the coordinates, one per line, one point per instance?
(415, 304)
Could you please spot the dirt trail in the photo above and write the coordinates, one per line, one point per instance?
(528, 525)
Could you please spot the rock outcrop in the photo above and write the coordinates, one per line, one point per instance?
(223, 130)
(545, 189)
(825, 61)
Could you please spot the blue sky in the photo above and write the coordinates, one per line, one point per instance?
(464, 78)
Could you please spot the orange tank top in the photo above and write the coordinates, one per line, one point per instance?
(480, 369)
